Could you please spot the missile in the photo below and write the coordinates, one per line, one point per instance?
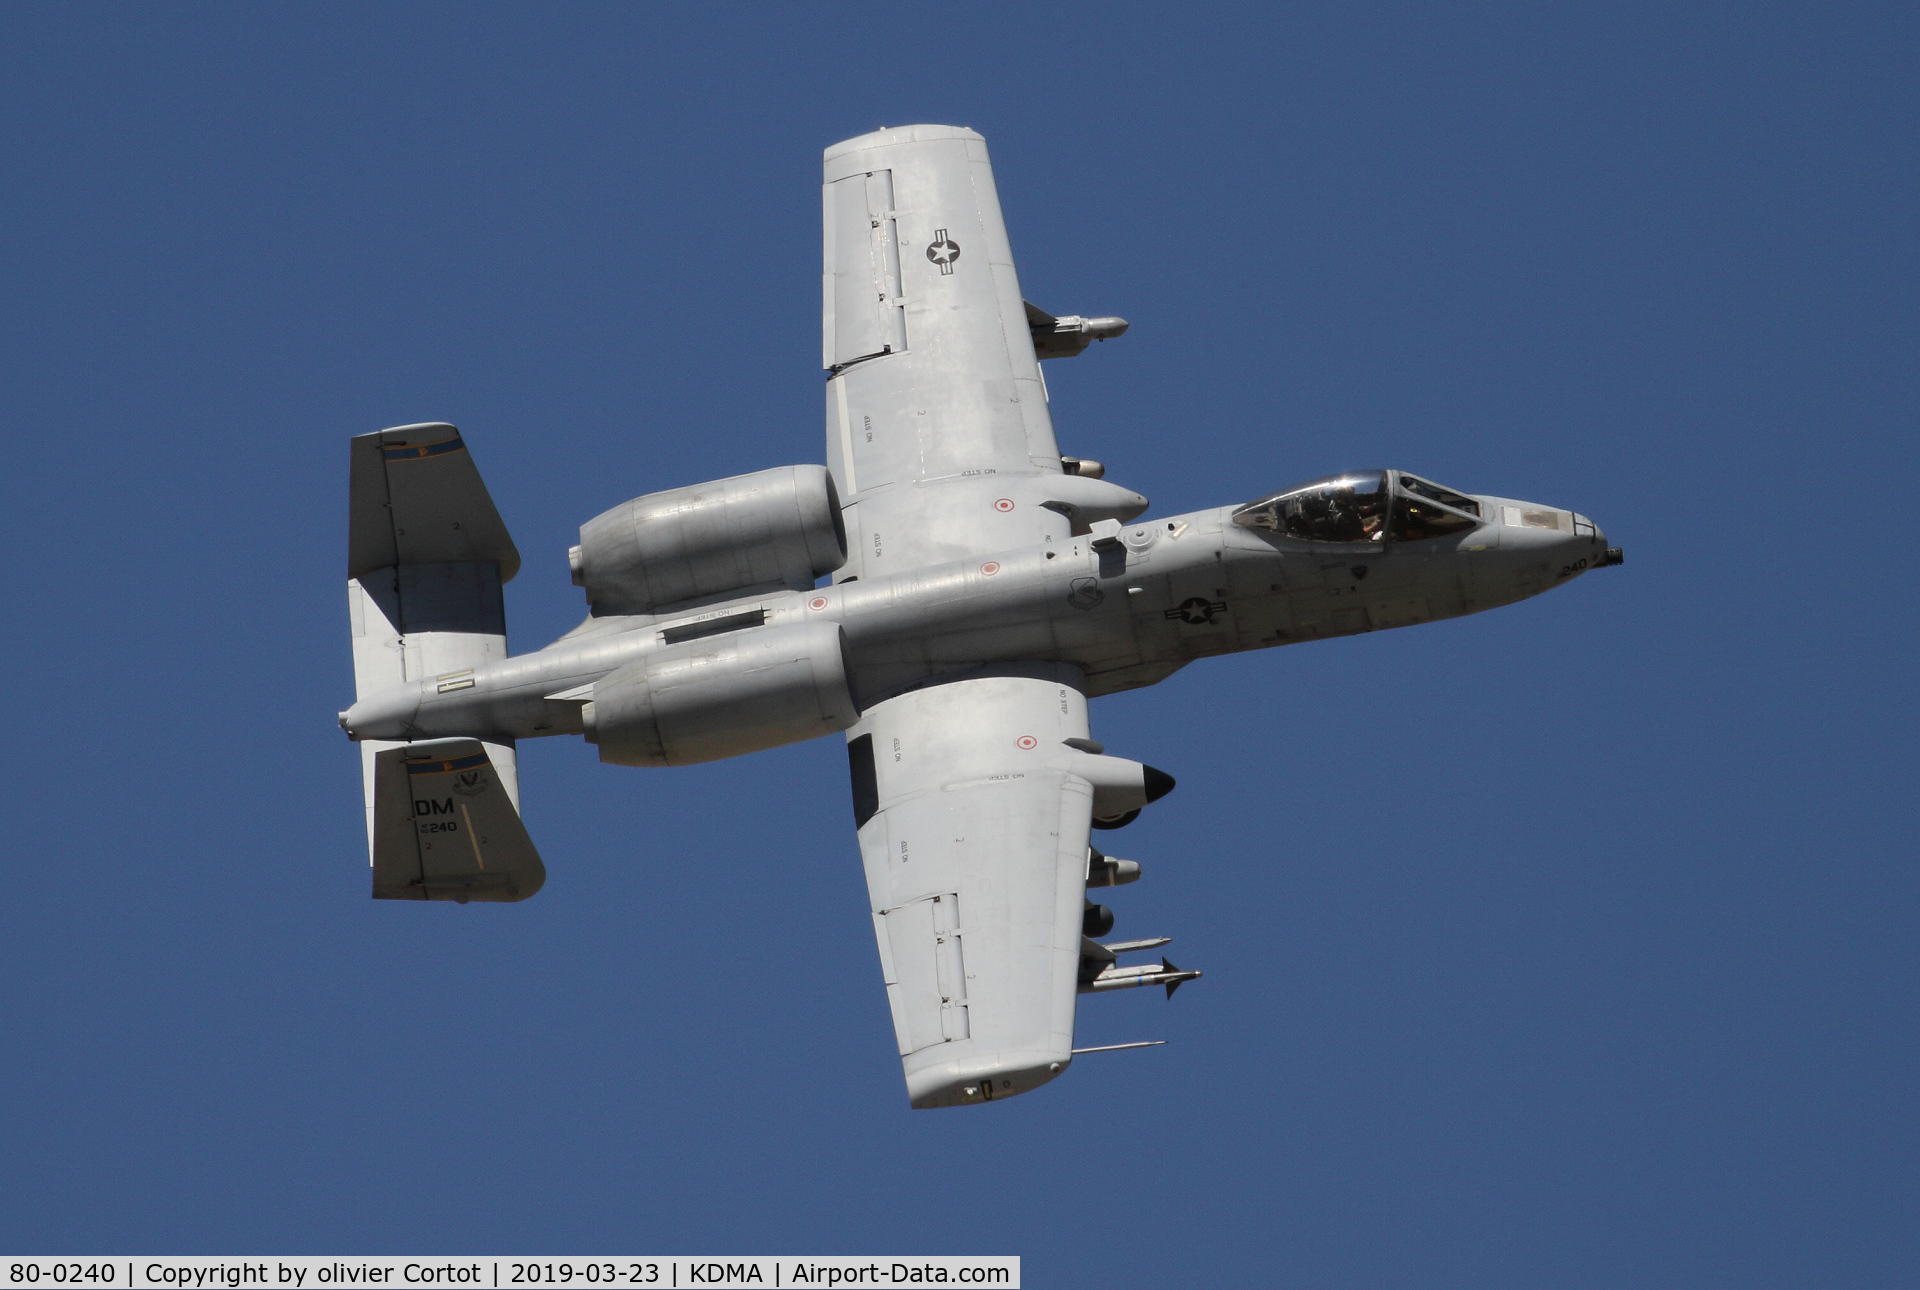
(1131, 978)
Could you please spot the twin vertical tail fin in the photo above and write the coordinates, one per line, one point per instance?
(444, 827)
(427, 554)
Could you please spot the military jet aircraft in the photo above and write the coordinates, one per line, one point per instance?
(983, 587)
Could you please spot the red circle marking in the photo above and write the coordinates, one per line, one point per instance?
(1004, 505)
(818, 602)
(990, 568)
(1027, 742)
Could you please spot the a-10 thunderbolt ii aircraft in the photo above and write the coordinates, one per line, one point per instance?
(984, 587)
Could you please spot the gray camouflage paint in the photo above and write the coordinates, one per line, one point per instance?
(985, 597)
(1116, 615)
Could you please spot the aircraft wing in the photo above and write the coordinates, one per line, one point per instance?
(974, 813)
(938, 432)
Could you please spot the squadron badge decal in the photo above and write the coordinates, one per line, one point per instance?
(1086, 594)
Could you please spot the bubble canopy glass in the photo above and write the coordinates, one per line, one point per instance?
(1362, 507)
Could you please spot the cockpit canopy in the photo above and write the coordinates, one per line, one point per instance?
(1363, 506)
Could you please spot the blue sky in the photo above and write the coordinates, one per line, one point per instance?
(1567, 945)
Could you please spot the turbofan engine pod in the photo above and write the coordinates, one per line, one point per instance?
(721, 696)
(773, 528)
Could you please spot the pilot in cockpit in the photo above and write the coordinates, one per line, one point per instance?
(1362, 507)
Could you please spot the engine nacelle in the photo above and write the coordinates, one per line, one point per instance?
(721, 696)
(771, 528)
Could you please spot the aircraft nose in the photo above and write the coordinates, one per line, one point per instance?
(1607, 555)
(1532, 525)
(1542, 546)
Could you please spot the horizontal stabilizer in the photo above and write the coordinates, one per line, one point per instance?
(445, 828)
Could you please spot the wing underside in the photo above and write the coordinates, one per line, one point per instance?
(936, 401)
(974, 839)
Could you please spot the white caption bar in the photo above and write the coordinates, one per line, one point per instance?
(650, 1271)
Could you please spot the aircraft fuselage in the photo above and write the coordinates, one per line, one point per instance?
(1149, 599)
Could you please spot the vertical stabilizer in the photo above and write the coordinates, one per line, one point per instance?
(443, 828)
(427, 554)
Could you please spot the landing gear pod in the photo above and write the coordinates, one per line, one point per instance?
(1122, 788)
